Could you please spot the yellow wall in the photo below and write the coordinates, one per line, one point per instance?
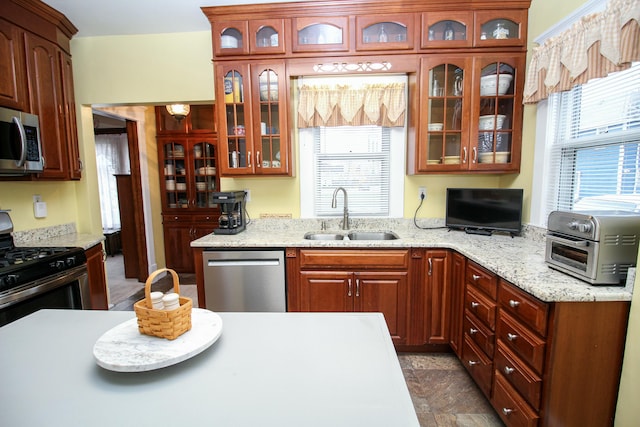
(161, 68)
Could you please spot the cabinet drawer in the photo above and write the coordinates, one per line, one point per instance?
(482, 279)
(528, 309)
(513, 410)
(364, 259)
(522, 341)
(519, 375)
(478, 364)
(479, 333)
(483, 308)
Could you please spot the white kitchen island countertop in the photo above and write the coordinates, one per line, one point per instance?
(266, 369)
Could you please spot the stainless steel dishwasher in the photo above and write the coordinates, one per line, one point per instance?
(245, 280)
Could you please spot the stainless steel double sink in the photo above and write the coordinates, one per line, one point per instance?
(353, 235)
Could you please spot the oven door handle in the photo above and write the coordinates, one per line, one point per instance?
(579, 243)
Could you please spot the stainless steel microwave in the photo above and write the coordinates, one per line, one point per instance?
(20, 147)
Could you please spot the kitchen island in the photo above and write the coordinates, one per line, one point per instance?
(266, 369)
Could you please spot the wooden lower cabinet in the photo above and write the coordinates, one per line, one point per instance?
(97, 277)
(179, 232)
(458, 266)
(353, 281)
(557, 364)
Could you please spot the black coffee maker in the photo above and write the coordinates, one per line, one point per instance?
(233, 218)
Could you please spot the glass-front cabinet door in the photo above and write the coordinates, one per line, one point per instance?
(267, 36)
(444, 109)
(203, 165)
(271, 153)
(230, 38)
(253, 137)
(384, 33)
(321, 34)
(497, 114)
(447, 29)
(500, 28)
(189, 172)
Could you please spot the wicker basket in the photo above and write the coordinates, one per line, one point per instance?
(162, 323)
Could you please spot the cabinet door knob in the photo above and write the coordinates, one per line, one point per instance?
(472, 363)
(475, 304)
(430, 267)
(349, 290)
(507, 411)
(508, 370)
(357, 287)
(475, 277)
(511, 337)
(472, 331)
(513, 303)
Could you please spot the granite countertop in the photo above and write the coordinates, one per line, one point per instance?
(519, 260)
(64, 235)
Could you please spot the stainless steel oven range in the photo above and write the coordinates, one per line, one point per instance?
(32, 278)
(597, 247)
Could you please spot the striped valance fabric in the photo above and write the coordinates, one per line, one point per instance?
(595, 46)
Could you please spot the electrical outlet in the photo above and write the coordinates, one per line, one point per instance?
(247, 195)
(37, 198)
(422, 193)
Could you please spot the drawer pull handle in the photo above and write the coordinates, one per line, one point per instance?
(475, 304)
(475, 277)
(511, 337)
(507, 411)
(357, 287)
(508, 370)
(513, 304)
(349, 291)
(472, 331)
(473, 363)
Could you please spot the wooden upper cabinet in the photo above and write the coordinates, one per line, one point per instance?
(267, 36)
(500, 28)
(45, 88)
(384, 32)
(321, 34)
(13, 87)
(447, 29)
(230, 38)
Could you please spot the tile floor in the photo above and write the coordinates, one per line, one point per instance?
(123, 293)
(443, 394)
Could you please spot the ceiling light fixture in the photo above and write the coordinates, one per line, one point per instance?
(178, 111)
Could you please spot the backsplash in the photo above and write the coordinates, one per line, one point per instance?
(44, 233)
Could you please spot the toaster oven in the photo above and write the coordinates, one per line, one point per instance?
(597, 247)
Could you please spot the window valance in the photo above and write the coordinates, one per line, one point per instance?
(373, 104)
(593, 47)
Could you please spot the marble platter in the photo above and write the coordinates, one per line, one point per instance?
(124, 349)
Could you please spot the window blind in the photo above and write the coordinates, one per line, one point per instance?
(356, 158)
(594, 153)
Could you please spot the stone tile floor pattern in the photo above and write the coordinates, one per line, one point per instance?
(443, 394)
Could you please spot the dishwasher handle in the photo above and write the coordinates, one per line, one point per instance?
(242, 262)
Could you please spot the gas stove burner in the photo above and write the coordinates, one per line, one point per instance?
(22, 255)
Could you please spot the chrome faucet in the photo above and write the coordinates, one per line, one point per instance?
(345, 216)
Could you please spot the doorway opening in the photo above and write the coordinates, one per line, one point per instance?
(122, 204)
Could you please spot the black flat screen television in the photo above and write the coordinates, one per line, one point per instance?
(484, 210)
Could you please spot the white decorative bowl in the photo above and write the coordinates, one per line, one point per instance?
(435, 126)
(501, 157)
(201, 186)
(488, 122)
(269, 93)
(495, 84)
(181, 186)
(228, 42)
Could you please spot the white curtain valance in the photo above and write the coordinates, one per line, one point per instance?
(374, 104)
(593, 47)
